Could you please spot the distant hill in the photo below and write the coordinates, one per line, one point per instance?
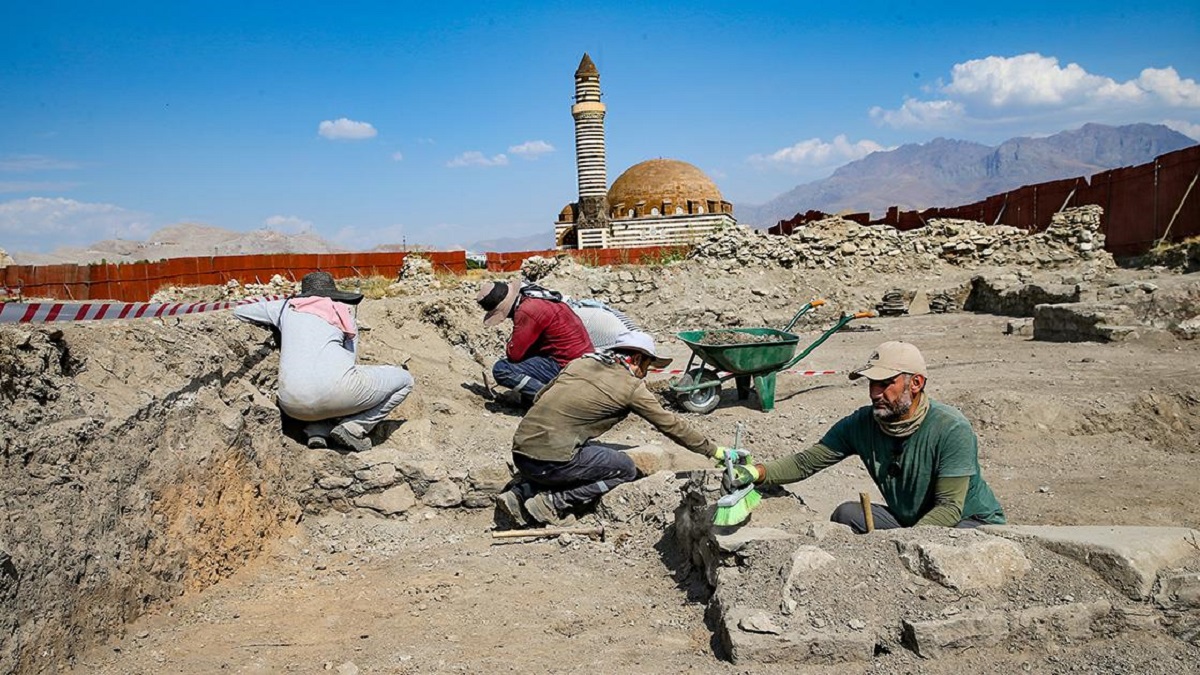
(190, 239)
(541, 241)
(183, 240)
(945, 172)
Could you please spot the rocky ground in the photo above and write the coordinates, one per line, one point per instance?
(158, 518)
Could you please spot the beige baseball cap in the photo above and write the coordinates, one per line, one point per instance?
(890, 359)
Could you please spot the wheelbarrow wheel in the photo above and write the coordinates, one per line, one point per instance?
(701, 401)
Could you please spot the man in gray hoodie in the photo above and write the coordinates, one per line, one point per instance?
(319, 381)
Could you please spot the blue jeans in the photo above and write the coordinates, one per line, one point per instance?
(593, 471)
(528, 376)
(851, 513)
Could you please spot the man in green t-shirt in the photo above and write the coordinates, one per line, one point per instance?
(922, 454)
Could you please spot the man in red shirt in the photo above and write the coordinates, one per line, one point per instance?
(547, 334)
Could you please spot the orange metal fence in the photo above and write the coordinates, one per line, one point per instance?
(137, 282)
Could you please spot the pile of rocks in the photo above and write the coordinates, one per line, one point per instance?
(416, 268)
(535, 267)
(835, 242)
(232, 290)
(6, 259)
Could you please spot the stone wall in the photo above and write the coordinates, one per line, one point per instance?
(834, 242)
(788, 589)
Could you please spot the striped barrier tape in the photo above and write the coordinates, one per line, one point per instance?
(806, 373)
(47, 312)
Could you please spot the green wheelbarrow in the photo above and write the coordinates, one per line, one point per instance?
(758, 354)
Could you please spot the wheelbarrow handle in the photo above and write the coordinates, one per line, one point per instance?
(808, 307)
(864, 315)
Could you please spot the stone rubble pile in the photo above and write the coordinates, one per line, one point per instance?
(416, 273)
(834, 242)
(536, 267)
(231, 290)
(6, 259)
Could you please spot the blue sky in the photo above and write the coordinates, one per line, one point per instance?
(449, 122)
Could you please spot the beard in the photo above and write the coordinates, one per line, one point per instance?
(895, 411)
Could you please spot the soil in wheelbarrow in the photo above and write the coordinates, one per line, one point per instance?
(732, 337)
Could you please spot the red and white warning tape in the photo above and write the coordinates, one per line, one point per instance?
(806, 373)
(46, 312)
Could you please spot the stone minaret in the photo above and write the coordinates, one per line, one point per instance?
(590, 157)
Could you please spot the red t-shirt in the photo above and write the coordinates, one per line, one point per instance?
(547, 328)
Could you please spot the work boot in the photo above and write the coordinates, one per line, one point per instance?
(318, 442)
(542, 509)
(352, 437)
(510, 504)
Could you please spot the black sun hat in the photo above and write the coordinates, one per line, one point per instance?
(321, 284)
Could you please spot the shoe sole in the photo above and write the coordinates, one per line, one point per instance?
(318, 443)
(353, 442)
(510, 505)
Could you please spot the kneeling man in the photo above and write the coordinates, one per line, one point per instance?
(922, 454)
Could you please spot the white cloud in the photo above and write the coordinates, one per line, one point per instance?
(289, 224)
(1189, 129)
(531, 149)
(816, 153)
(397, 156)
(42, 223)
(921, 114)
(343, 129)
(27, 163)
(1007, 89)
(476, 158)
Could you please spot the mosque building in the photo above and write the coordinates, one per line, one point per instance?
(658, 202)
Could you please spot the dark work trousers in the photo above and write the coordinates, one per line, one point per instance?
(528, 376)
(594, 470)
(851, 513)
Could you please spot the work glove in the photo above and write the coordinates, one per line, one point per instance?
(743, 475)
(739, 456)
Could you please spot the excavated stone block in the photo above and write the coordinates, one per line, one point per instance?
(1003, 295)
(969, 563)
(1128, 558)
(443, 494)
(790, 647)
(489, 480)
(421, 471)
(390, 502)
(1019, 327)
(1074, 621)
(1079, 322)
(932, 639)
(805, 561)
(736, 540)
(1178, 589)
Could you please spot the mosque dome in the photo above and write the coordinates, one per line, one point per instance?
(663, 185)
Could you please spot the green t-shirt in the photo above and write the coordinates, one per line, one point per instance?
(943, 446)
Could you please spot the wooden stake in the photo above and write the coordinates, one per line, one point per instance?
(868, 515)
(550, 532)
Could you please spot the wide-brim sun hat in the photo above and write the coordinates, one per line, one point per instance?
(321, 284)
(890, 359)
(642, 343)
(497, 299)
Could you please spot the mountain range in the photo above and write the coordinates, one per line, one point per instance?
(947, 172)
